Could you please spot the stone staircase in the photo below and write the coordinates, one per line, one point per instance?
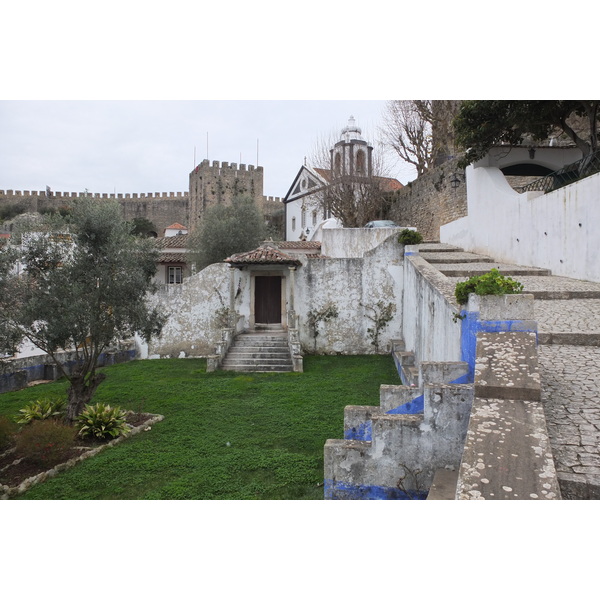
(259, 351)
(423, 421)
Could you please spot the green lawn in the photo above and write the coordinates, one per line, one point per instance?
(275, 424)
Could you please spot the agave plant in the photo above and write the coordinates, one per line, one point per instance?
(102, 421)
(38, 410)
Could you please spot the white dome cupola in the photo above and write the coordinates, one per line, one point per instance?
(352, 155)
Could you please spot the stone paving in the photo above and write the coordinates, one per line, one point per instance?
(571, 399)
(568, 315)
(575, 316)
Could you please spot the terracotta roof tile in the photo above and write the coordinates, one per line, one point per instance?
(299, 245)
(266, 254)
(172, 257)
(389, 183)
(175, 241)
(176, 226)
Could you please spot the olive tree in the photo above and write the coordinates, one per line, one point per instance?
(225, 230)
(80, 291)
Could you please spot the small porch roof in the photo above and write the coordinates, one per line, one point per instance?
(268, 253)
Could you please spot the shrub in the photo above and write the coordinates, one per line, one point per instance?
(408, 237)
(102, 421)
(45, 442)
(492, 283)
(39, 410)
(7, 431)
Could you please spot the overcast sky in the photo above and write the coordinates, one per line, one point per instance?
(149, 146)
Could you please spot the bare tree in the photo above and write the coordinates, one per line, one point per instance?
(408, 130)
(354, 195)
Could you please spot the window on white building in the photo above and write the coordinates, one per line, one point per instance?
(293, 223)
(314, 218)
(174, 275)
(303, 218)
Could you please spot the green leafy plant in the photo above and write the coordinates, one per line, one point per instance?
(381, 315)
(45, 442)
(315, 317)
(492, 283)
(408, 237)
(102, 421)
(39, 410)
(7, 431)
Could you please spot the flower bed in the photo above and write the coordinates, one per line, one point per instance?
(17, 474)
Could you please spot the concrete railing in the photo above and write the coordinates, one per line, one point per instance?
(507, 453)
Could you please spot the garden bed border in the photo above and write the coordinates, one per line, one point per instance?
(7, 492)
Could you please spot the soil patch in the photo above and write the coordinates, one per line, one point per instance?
(16, 469)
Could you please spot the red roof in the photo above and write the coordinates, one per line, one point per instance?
(389, 184)
(268, 253)
(173, 241)
(176, 226)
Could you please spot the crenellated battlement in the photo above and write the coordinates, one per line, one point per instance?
(23, 194)
(216, 167)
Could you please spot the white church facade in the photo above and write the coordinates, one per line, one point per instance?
(305, 209)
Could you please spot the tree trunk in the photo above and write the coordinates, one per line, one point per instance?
(81, 392)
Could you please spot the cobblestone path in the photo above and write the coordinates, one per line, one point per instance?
(571, 397)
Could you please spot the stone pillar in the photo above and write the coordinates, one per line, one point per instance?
(292, 290)
(232, 313)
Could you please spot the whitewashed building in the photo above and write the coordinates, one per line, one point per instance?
(351, 156)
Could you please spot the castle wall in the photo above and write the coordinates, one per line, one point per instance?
(430, 201)
(161, 208)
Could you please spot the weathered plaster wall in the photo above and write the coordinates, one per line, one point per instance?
(353, 243)
(354, 285)
(556, 231)
(194, 306)
(430, 329)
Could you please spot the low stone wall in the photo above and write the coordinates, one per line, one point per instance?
(16, 373)
(430, 329)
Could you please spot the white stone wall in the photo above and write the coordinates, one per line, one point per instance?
(430, 328)
(557, 231)
(193, 327)
(353, 285)
(354, 243)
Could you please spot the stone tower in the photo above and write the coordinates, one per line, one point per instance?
(219, 183)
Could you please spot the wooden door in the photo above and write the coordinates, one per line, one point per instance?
(267, 299)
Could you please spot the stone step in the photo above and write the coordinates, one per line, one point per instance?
(258, 360)
(256, 368)
(438, 247)
(568, 338)
(471, 269)
(258, 353)
(454, 257)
